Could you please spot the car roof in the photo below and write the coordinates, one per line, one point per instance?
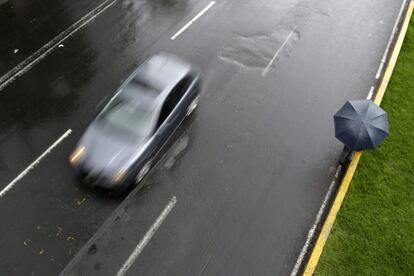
(164, 69)
(159, 74)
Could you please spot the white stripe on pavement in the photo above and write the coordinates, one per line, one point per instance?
(34, 163)
(387, 49)
(193, 20)
(312, 231)
(145, 240)
(266, 70)
(371, 93)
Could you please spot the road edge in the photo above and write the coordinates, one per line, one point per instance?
(317, 249)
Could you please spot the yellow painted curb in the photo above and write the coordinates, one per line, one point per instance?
(393, 60)
(346, 181)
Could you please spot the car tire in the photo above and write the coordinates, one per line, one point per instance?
(193, 105)
(143, 172)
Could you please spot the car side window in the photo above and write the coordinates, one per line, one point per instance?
(173, 98)
(165, 111)
(180, 89)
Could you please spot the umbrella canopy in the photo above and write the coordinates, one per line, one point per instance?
(361, 125)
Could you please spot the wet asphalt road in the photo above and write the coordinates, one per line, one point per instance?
(249, 169)
(26, 26)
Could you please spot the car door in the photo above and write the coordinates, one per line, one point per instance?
(171, 113)
(164, 125)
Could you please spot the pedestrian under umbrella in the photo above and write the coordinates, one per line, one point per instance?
(360, 125)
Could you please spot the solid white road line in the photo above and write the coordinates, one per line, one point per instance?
(394, 31)
(35, 163)
(311, 233)
(145, 240)
(193, 20)
(46, 49)
(266, 70)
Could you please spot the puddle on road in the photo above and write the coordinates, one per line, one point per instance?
(256, 51)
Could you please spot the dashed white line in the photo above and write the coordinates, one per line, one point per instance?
(40, 54)
(145, 240)
(311, 233)
(195, 18)
(381, 67)
(266, 70)
(394, 31)
(34, 163)
(371, 93)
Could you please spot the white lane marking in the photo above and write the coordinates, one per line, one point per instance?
(311, 233)
(40, 54)
(34, 163)
(381, 66)
(195, 18)
(266, 70)
(394, 31)
(145, 240)
(370, 93)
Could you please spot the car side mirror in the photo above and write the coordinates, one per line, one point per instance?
(101, 104)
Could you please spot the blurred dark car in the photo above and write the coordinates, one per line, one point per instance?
(120, 145)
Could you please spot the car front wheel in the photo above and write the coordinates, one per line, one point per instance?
(193, 105)
(143, 172)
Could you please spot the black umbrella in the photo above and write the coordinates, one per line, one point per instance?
(361, 125)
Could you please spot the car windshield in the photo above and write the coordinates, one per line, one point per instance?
(129, 115)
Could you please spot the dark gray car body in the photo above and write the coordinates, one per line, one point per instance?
(107, 152)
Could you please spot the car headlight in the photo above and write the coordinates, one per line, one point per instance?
(77, 155)
(120, 175)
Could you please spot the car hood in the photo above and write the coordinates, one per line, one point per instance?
(107, 152)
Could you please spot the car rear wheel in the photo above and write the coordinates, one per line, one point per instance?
(193, 105)
(143, 172)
